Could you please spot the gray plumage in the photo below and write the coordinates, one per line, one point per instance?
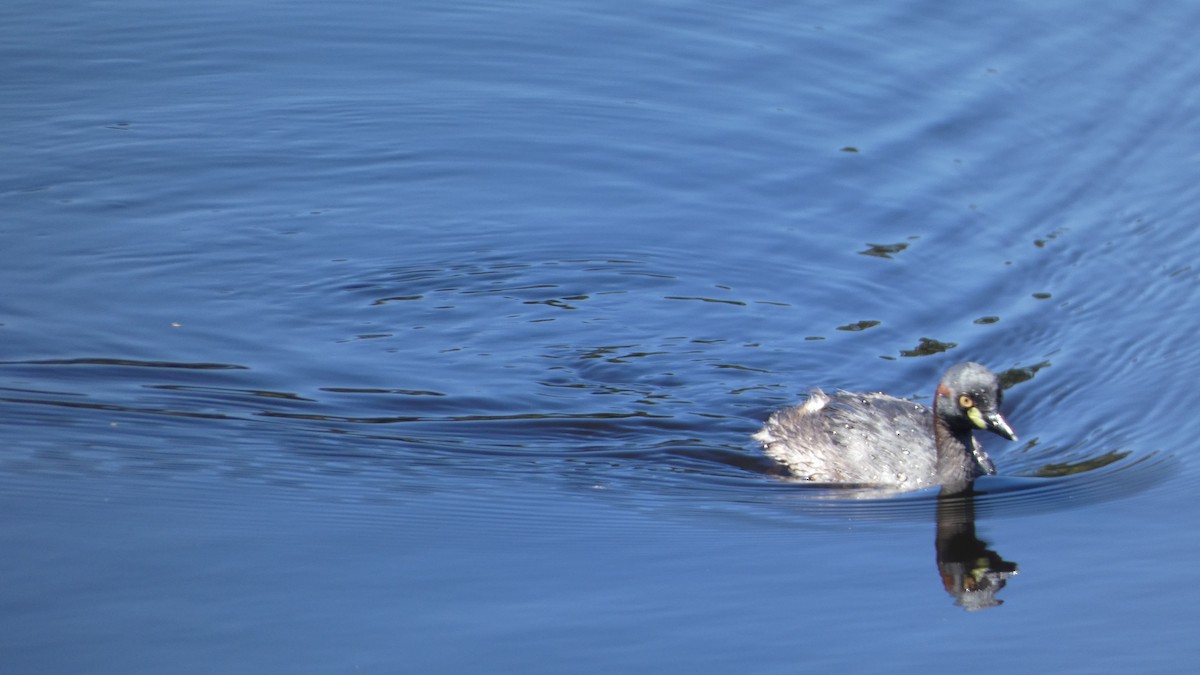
(876, 439)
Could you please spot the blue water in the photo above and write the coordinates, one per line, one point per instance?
(429, 337)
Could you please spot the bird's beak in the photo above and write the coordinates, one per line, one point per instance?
(991, 421)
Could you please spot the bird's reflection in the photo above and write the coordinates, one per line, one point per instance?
(971, 572)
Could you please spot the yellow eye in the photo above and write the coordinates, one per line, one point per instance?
(965, 401)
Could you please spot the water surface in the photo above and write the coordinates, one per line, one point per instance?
(425, 338)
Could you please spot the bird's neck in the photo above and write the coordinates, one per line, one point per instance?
(955, 460)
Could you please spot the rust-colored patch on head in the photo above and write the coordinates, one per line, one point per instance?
(943, 390)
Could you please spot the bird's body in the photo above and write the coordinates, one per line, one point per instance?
(877, 439)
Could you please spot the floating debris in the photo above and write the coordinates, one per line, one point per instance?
(928, 347)
(861, 325)
(883, 250)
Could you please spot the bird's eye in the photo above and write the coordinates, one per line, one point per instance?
(965, 401)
